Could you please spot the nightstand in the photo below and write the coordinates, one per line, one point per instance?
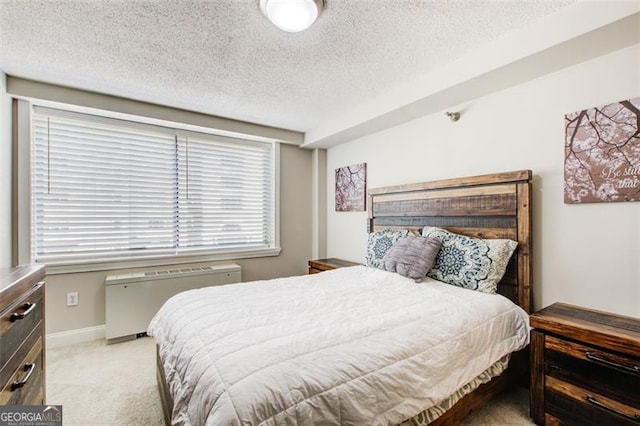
(319, 265)
(585, 367)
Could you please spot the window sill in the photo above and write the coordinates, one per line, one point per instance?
(127, 263)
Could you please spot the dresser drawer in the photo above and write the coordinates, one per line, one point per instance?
(25, 385)
(606, 373)
(578, 406)
(18, 321)
(22, 344)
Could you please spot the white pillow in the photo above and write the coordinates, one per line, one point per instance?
(379, 243)
(473, 263)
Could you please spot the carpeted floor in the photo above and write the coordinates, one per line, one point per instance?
(100, 384)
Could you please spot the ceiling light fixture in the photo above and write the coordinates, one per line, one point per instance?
(292, 15)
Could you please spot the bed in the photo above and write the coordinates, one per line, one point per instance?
(351, 346)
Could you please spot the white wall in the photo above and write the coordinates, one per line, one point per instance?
(5, 174)
(587, 255)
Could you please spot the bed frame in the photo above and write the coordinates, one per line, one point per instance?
(488, 206)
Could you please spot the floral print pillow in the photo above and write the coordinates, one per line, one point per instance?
(378, 245)
(472, 263)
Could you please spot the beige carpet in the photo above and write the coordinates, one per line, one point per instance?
(100, 384)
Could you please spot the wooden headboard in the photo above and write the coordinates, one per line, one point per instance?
(488, 206)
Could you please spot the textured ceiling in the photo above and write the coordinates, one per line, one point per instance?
(224, 58)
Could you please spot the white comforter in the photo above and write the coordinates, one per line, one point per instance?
(354, 346)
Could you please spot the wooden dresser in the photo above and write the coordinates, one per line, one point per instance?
(319, 265)
(22, 356)
(585, 367)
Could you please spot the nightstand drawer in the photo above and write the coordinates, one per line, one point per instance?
(609, 374)
(578, 406)
(319, 265)
(595, 356)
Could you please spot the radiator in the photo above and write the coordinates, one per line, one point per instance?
(133, 299)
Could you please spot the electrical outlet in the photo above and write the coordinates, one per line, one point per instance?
(72, 299)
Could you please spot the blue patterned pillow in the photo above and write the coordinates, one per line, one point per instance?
(379, 243)
(472, 263)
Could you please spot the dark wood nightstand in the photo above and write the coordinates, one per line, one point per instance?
(319, 265)
(585, 367)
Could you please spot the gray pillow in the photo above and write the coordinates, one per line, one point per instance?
(412, 256)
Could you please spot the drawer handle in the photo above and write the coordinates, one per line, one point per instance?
(29, 368)
(599, 404)
(28, 308)
(595, 358)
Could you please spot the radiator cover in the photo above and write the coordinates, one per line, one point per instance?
(133, 299)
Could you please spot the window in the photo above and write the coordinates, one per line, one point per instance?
(108, 189)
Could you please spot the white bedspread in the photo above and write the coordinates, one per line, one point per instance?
(354, 346)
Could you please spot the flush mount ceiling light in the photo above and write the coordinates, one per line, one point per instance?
(292, 15)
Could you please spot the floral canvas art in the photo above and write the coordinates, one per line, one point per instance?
(351, 188)
(602, 153)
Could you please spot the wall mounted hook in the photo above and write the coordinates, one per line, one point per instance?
(453, 116)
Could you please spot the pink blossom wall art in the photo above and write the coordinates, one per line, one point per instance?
(602, 153)
(351, 188)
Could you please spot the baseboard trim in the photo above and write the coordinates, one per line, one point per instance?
(80, 335)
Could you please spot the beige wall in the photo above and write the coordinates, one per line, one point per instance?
(5, 174)
(295, 203)
(295, 239)
(583, 254)
(24, 88)
(295, 236)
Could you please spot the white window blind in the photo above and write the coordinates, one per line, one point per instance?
(112, 189)
(224, 195)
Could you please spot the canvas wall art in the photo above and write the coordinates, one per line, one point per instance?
(351, 188)
(602, 154)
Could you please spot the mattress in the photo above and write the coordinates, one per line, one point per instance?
(357, 346)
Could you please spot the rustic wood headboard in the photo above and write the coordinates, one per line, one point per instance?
(488, 206)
